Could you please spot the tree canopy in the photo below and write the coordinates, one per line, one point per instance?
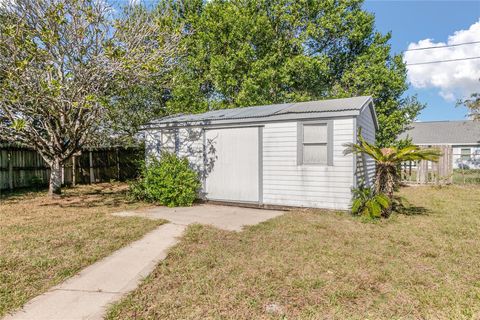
(63, 64)
(254, 52)
(74, 70)
(473, 105)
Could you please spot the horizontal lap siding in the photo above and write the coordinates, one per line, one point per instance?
(190, 145)
(152, 144)
(286, 183)
(365, 170)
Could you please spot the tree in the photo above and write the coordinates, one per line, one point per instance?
(64, 64)
(387, 161)
(254, 52)
(473, 104)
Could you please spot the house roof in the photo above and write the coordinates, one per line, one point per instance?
(285, 111)
(444, 132)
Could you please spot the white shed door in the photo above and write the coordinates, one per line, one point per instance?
(235, 172)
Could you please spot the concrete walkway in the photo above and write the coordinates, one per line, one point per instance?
(88, 294)
(223, 217)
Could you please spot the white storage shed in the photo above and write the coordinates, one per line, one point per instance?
(284, 154)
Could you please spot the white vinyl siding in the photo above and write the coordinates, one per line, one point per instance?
(459, 156)
(282, 180)
(152, 144)
(168, 141)
(365, 166)
(190, 146)
(287, 183)
(188, 143)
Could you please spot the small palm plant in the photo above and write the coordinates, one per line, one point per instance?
(367, 203)
(388, 161)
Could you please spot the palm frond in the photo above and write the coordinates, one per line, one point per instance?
(422, 154)
(363, 147)
(356, 206)
(382, 200)
(405, 152)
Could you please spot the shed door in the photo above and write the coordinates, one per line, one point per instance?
(234, 157)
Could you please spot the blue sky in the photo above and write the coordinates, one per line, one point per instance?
(412, 21)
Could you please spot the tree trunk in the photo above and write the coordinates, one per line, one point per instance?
(74, 171)
(55, 185)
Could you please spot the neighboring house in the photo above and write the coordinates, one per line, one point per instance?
(284, 154)
(462, 136)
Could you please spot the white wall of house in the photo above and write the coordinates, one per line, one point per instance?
(285, 182)
(152, 144)
(190, 145)
(284, 177)
(459, 156)
(365, 166)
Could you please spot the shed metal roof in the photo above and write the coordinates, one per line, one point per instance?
(444, 132)
(285, 111)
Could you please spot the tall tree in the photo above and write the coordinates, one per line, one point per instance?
(254, 52)
(64, 63)
(473, 105)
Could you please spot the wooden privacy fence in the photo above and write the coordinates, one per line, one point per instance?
(23, 167)
(425, 172)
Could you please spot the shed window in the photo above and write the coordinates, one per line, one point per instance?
(314, 143)
(169, 143)
(465, 154)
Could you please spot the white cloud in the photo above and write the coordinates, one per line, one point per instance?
(453, 79)
(449, 96)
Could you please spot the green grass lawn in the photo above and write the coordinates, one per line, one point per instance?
(467, 176)
(314, 264)
(43, 241)
(459, 176)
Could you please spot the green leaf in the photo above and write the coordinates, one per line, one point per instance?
(356, 206)
(382, 200)
(19, 124)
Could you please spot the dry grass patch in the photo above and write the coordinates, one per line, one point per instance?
(321, 265)
(43, 241)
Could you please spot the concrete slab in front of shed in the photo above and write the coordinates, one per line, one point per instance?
(224, 217)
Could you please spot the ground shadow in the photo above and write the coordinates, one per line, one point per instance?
(98, 195)
(403, 206)
(16, 195)
(412, 211)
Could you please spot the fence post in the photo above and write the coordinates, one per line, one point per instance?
(422, 172)
(90, 156)
(10, 171)
(450, 164)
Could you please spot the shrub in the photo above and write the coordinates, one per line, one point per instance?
(369, 204)
(169, 181)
